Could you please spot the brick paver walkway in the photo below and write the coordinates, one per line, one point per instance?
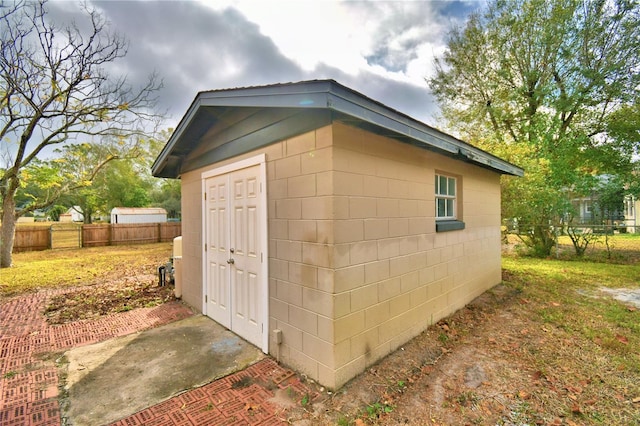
(29, 378)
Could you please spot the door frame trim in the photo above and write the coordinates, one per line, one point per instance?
(258, 160)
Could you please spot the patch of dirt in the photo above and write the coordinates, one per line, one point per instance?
(489, 363)
(119, 295)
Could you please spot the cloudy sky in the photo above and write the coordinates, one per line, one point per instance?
(383, 49)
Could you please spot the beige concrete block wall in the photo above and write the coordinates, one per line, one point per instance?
(192, 239)
(301, 234)
(398, 274)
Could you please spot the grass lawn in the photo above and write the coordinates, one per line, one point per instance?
(589, 341)
(64, 268)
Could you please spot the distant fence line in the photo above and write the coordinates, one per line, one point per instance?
(58, 236)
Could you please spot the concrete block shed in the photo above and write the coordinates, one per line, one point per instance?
(327, 228)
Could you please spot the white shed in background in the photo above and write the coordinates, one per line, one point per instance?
(138, 215)
(74, 214)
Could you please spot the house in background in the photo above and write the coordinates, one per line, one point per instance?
(138, 215)
(327, 228)
(599, 208)
(73, 214)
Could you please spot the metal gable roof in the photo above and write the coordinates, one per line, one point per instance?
(241, 119)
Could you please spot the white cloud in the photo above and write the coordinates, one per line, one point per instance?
(308, 32)
(384, 49)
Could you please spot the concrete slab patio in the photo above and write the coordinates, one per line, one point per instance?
(111, 380)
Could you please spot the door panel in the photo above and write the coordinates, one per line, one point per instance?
(216, 240)
(237, 289)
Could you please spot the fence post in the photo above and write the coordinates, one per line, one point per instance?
(50, 237)
(159, 232)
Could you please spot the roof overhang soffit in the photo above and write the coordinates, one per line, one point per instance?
(221, 109)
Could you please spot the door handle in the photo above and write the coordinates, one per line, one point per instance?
(231, 261)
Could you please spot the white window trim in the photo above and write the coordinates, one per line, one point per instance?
(454, 216)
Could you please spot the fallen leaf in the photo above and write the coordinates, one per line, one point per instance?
(631, 308)
(556, 304)
(636, 400)
(576, 409)
(359, 422)
(622, 339)
(524, 395)
(574, 389)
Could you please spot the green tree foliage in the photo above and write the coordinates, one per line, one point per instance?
(69, 177)
(54, 89)
(168, 196)
(126, 181)
(124, 186)
(55, 211)
(548, 85)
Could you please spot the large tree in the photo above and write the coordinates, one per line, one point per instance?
(544, 84)
(54, 88)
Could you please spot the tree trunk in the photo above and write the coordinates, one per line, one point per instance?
(8, 229)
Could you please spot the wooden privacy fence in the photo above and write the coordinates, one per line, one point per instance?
(30, 238)
(134, 233)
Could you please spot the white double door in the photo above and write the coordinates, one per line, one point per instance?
(235, 288)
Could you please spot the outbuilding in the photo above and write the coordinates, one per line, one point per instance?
(73, 214)
(121, 215)
(327, 228)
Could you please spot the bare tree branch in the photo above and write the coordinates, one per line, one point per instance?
(54, 88)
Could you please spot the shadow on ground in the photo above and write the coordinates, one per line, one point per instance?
(111, 380)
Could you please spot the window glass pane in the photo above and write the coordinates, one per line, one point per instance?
(450, 208)
(443, 185)
(441, 207)
(452, 187)
(437, 184)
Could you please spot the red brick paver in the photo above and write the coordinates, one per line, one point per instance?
(242, 398)
(28, 376)
(29, 379)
